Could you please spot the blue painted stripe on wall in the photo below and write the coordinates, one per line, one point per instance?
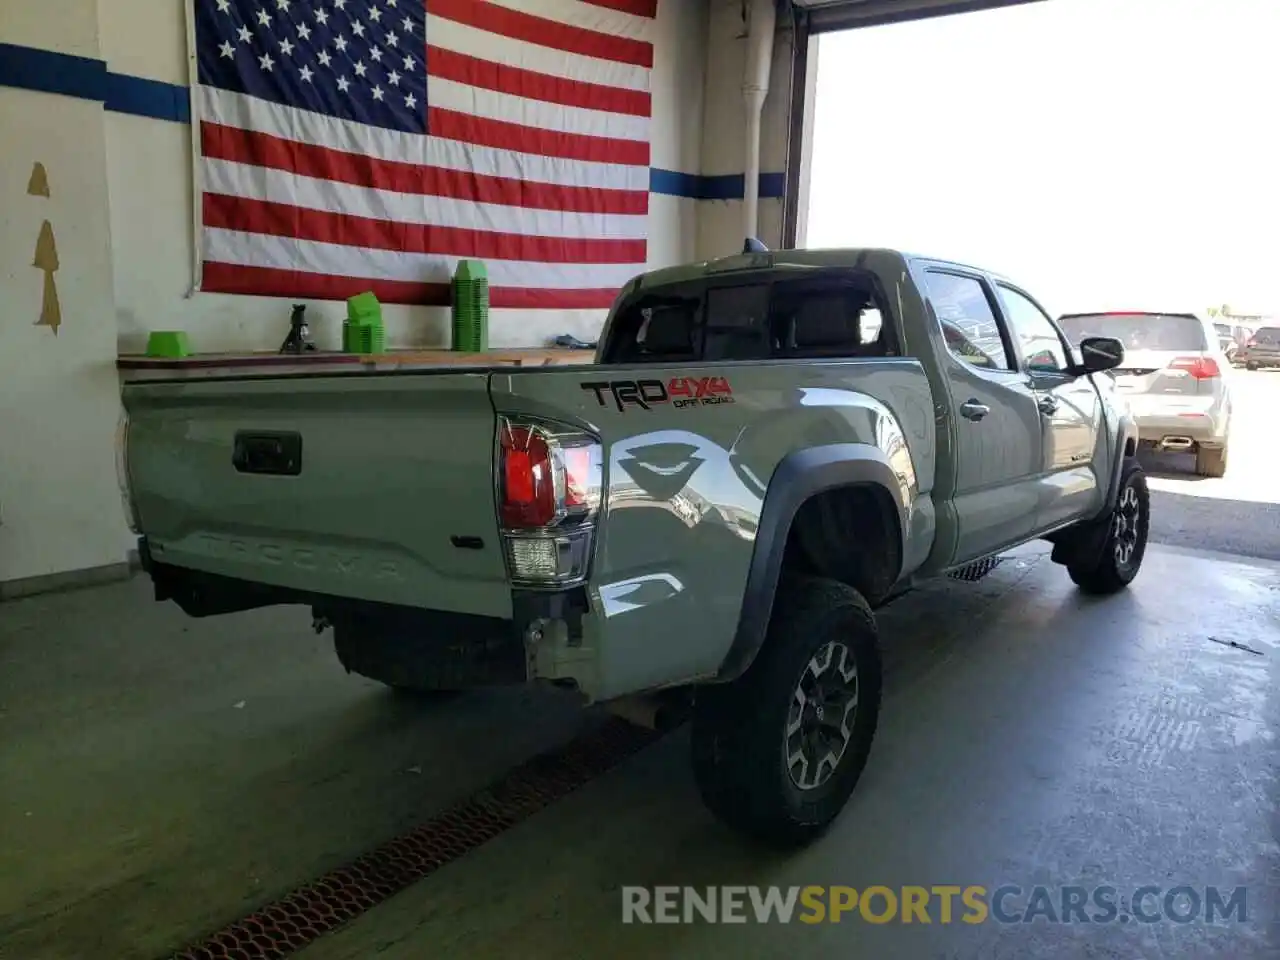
(30, 69)
(147, 98)
(49, 72)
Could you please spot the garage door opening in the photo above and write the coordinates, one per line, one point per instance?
(1109, 155)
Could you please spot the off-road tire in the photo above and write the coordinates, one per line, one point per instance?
(1250, 365)
(740, 729)
(1108, 572)
(1211, 462)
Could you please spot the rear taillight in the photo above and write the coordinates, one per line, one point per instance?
(549, 486)
(1200, 368)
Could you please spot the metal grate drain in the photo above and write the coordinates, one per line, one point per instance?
(973, 572)
(295, 920)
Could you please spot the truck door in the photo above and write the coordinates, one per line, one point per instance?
(1070, 413)
(995, 422)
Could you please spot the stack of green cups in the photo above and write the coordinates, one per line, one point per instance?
(471, 307)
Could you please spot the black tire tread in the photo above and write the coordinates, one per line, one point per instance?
(737, 737)
(1102, 576)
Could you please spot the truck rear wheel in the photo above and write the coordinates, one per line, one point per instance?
(1115, 566)
(777, 752)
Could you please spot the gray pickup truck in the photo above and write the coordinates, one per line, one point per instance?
(766, 448)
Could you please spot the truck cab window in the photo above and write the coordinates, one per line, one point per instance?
(825, 320)
(656, 330)
(737, 323)
(969, 324)
(1037, 338)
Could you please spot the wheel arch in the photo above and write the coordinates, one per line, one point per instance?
(800, 478)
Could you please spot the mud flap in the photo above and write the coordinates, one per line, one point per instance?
(1083, 545)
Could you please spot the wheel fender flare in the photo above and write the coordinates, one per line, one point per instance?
(1126, 436)
(800, 475)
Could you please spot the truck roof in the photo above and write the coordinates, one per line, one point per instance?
(812, 259)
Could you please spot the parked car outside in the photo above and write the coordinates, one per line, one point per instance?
(1172, 377)
(1261, 350)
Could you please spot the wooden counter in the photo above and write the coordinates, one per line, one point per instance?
(136, 367)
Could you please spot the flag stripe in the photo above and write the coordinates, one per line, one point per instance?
(639, 8)
(263, 183)
(300, 285)
(501, 135)
(323, 226)
(274, 153)
(530, 85)
(288, 253)
(228, 109)
(601, 17)
(474, 42)
(518, 25)
(551, 117)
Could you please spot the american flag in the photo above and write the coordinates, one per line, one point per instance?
(351, 145)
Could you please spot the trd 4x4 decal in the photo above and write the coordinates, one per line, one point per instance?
(678, 391)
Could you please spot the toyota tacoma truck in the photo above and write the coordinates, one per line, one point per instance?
(766, 448)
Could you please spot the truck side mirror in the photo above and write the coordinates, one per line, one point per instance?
(1101, 353)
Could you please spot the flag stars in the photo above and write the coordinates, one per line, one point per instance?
(341, 43)
(264, 18)
(408, 63)
(339, 4)
(304, 31)
(344, 84)
(357, 28)
(227, 50)
(305, 73)
(410, 101)
(324, 58)
(393, 78)
(406, 25)
(360, 68)
(391, 3)
(377, 92)
(375, 14)
(392, 39)
(282, 4)
(322, 17)
(224, 6)
(286, 47)
(266, 62)
(375, 54)
(245, 34)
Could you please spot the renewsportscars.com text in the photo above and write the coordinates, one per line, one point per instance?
(941, 904)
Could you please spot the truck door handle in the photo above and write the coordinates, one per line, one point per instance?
(973, 410)
(1048, 406)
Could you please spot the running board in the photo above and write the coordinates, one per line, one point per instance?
(973, 572)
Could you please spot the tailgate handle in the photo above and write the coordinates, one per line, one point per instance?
(274, 454)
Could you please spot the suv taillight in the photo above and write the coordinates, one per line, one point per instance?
(1201, 368)
(549, 488)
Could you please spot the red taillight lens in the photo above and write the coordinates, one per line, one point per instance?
(1201, 368)
(528, 482)
(578, 479)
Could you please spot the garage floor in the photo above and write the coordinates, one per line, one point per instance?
(162, 777)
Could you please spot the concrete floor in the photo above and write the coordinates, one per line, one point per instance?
(160, 776)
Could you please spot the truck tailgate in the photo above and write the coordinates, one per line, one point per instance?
(374, 487)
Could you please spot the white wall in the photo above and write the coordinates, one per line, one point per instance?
(150, 173)
(59, 504)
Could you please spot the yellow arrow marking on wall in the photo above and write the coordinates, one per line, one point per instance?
(46, 259)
